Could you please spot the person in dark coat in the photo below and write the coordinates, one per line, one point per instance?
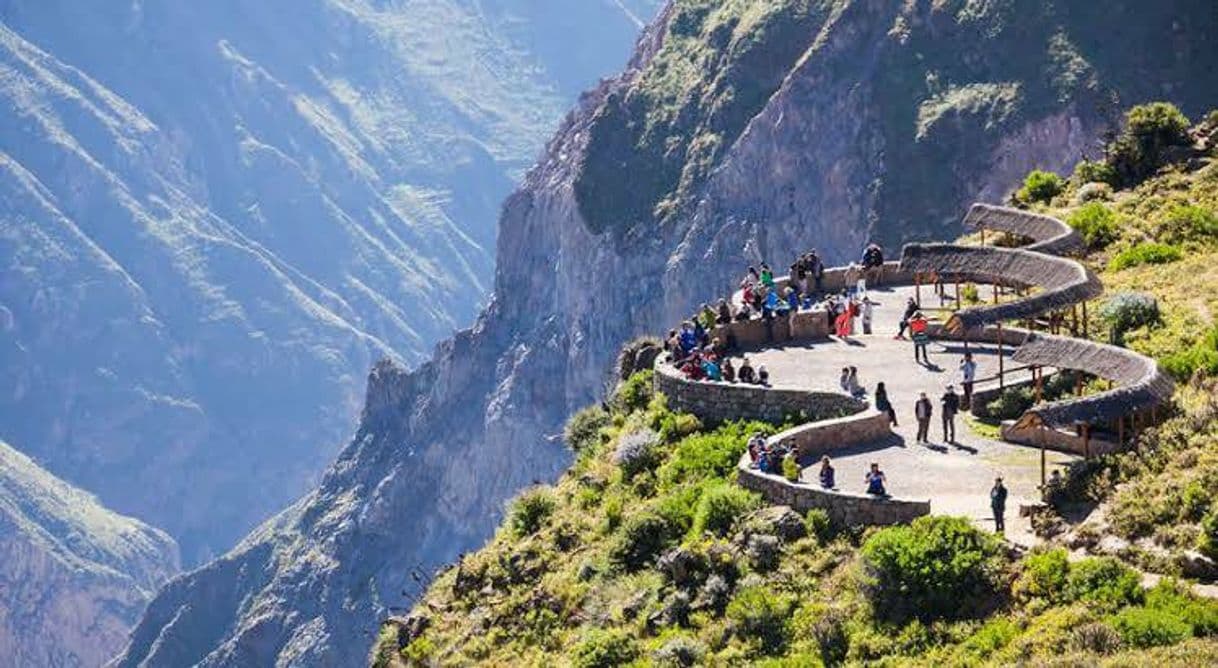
(998, 504)
(922, 412)
(949, 405)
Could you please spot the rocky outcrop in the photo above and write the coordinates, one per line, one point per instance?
(862, 136)
(74, 576)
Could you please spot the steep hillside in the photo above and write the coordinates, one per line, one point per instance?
(646, 552)
(74, 576)
(217, 216)
(440, 448)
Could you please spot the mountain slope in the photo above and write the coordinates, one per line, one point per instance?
(73, 575)
(217, 215)
(812, 165)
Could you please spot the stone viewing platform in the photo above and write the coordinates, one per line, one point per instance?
(954, 478)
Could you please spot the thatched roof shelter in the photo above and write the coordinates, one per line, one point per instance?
(1048, 234)
(1062, 282)
(1139, 383)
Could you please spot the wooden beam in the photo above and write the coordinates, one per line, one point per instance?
(1086, 335)
(1001, 362)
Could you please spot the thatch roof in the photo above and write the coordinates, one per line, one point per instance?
(1048, 234)
(1062, 282)
(1139, 382)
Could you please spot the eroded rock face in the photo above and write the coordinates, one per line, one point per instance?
(437, 454)
(74, 576)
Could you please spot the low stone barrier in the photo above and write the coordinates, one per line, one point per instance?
(844, 508)
(718, 402)
(826, 436)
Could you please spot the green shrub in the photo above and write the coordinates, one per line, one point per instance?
(1209, 534)
(1103, 581)
(1092, 171)
(1095, 223)
(1143, 627)
(678, 506)
(761, 614)
(819, 525)
(1043, 576)
(1141, 148)
(679, 652)
(583, 431)
(714, 454)
(1185, 223)
(1011, 403)
(970, 294)
(1040, 186)
(1201, 356)
(1127, 311)
(935, 568)
(675, 426)
(1145, 253)
(995, 635)
(721, 506)
(601, 648)
(635, 392)
(1172, 597)
(530, 510)
(639, 541)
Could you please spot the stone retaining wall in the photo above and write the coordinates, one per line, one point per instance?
(720, 402)
(844, 509)
(820, 438)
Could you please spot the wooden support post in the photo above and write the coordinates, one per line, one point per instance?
(1086, 441)
(1001, 364)
(1038, 374)
(1121, 432)
(983, 236)
(1043, 479)
(918, 288)
(1085, 334)
(957, 294)
(997, 292)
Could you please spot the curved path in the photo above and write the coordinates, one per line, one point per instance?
(804, 367)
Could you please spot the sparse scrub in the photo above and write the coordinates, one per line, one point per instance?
(531, 509)
(1096, 223)
(1145, 253)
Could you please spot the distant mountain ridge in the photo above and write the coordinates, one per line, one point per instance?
(73, 575)
(217, 215)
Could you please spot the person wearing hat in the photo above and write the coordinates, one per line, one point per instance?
(998, 504)
(949, 406)
(922, 411)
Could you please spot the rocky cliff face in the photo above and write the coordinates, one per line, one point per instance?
(870, 128)
(217, 215)
(74, 576)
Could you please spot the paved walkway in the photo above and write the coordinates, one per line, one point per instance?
(955, 477)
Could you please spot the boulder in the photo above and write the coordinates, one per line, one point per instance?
(1193, 564)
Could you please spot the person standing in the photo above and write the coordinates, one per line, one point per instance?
(867, 309)
(968, 373)
(883, 405)
(826, 473)
(911, 307)
(922, 411)
(998, 504)
(917, 330)
(949, 406)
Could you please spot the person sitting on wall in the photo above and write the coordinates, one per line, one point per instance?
(792, 299)
(725, 313)
(806, 302)
(875, 480)
(756, 445)
(745, 312)
(873, 257)
(688, 338)
(717, 347)
(707, 316)
(763, 376)
(729, 371)
(672, 344)
(796, 280)
(815, 269)
(711, 368)
(746, 293)
(827, 479)
(767, 276)
(753, 277)
(692, 368)
(745, 373)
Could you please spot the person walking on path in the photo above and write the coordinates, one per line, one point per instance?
(922, 411)
(826, 473)
(883, 405)
(950, 405)
(968, 373)
(911, 307)
(875, 481)
(917, 330)
(868, 310)
(998, 504)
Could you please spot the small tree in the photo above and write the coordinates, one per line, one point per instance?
(1150, 130)
(1040, 186)
(1095, 223)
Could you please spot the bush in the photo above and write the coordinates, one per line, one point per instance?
(675, 426)
(1043, 576)
(1011, 403)
(713, 454)
(530, 510)
(1143, 627)
(761, 614)
(1096, 638)
(1126, 311)
(635, 392)
(721, 506)
(1095, 171)
(995, 635)
(935, 568)
(1040, 186)
(1104, 581)
(601, 648)
(1145, 253)
(1170, 597)
(1095, 223)
(819, 525)
(583, 430)
(1209, 534)
(1093, 192)
(639, 541)
(1141, 148)
(679, 652)
(1184, 223)
(1201, 356)
(790, 468)
(637, 452)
